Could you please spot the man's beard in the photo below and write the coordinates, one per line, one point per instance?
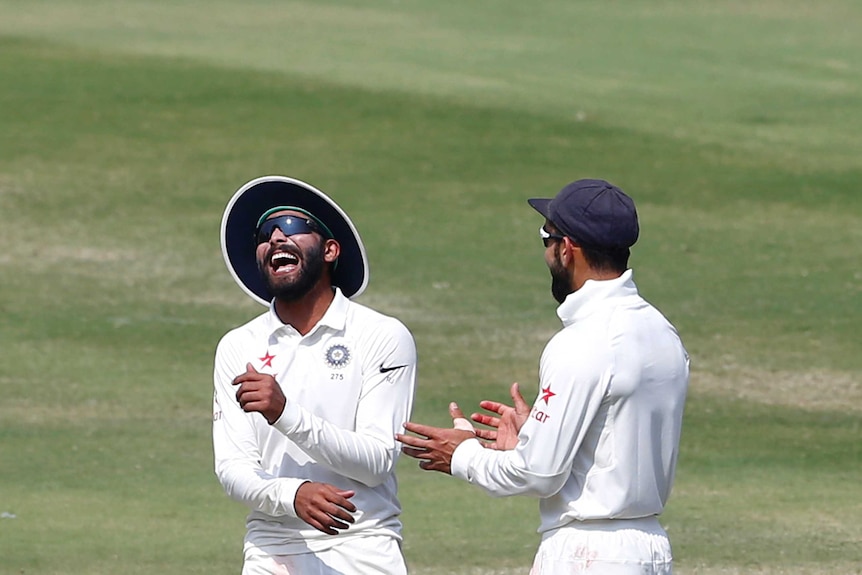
(561, 284)
(310, 272)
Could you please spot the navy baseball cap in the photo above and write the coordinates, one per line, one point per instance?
(594, 213)
(255, 200)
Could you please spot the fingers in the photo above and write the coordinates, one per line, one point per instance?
(495, 406)
(488, 420)
(264, 397)
(416, 453)
(423, 430)
(329, 519)
(250, 374)
(252, 399)
(347, 494)
(419, 443)
(521, 405)
(458, 419)
(486, 434)
(455, 411)
(434, 466)
(325, 507)
(415, 447)
(249, 371)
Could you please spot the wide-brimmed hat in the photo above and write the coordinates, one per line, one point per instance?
(252, 200)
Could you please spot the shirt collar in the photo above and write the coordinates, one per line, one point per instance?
(581, 303)
(334, 318)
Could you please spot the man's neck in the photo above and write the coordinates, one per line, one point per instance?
(304, 313)
(591, 274)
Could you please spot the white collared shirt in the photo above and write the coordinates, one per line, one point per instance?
(603, 436)
(349, 385)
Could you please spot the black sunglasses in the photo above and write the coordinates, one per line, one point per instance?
(289, 225)
(548, 236)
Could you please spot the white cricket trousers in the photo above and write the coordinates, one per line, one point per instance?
(605, 547)
(372, 555)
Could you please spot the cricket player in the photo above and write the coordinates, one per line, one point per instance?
(598, 446)
(309, 394)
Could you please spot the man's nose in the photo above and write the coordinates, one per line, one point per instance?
(277, 236)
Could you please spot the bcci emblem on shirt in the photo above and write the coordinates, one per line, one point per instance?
(337, 356)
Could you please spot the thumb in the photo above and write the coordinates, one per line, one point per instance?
(458, 419)
(249, 368)
(520, 402)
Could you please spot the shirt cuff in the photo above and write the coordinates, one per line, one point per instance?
(463, 455)
(290, 418)
(287, 495)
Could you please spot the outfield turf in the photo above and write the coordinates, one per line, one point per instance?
(126, 126)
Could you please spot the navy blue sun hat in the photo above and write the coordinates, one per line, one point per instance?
(257, 197)
(594, 213)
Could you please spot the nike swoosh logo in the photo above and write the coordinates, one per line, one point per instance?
(394, 367)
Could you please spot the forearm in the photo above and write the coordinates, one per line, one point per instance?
(502, 473)
(368, 452)
(366, 458)
(237, 454)
(238, 468)
(258, 490)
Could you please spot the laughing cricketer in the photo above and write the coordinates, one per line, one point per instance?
(310, 394)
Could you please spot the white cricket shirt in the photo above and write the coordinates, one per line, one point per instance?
(349, 385)
(602, 439)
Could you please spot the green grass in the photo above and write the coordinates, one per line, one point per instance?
(125, 127)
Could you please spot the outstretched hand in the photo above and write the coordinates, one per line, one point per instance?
(434, 446)
(259, 392)
(503, 434)
(324, 506)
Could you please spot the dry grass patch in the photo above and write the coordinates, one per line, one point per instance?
(816, 389)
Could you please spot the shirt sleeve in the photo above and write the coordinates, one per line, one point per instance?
(570, 396)
(237, 457)
(367, 453)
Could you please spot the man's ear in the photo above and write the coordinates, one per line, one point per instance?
(331, 251)
(567, 251)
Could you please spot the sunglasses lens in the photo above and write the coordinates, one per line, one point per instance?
(289, 225)
(265, 231)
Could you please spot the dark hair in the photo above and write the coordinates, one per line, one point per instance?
(600, 259)
(607, 260)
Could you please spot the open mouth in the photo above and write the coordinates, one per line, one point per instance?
(283, 262)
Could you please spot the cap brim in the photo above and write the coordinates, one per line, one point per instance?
(239, 223)
(541, 205)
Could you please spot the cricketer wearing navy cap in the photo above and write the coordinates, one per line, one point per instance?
(594, 213)
(600, 222)
(598, 446)
(309, 394)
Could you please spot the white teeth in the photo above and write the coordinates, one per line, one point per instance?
(284, 258)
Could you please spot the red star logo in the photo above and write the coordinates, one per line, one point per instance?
(547, 394)
(267, 360)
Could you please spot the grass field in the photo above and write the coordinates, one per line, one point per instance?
(126, 126)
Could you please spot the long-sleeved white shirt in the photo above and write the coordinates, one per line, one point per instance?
(349, 385)
(603, 435)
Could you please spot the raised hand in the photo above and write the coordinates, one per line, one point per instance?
(434, 446)
(503, 434)
(324, 506)
(259, 392)
(458, 419)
